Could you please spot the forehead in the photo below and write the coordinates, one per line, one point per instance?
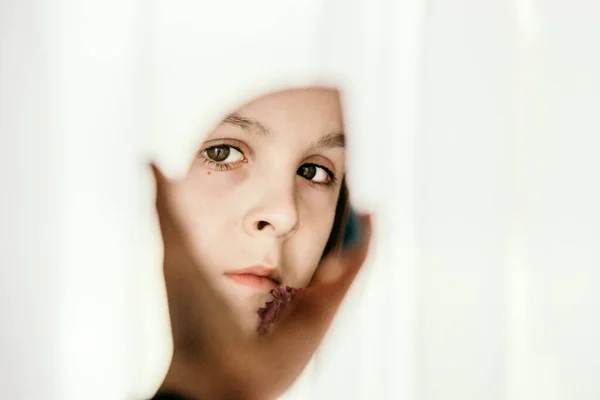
(311, 111)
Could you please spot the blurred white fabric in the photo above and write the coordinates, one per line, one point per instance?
(473, 135)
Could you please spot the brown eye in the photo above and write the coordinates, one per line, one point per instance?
(218, 153)
(308, 171)
(315, 173)
(223, 154)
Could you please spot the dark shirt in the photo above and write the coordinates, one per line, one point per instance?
(168, 396)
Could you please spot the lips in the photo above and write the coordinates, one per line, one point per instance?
(256, 277)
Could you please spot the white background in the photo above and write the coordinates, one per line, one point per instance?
(473, 134)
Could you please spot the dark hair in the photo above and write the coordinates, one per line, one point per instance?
(342, 212)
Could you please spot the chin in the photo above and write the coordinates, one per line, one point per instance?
(248, 323)
(244, 303)
(246, 315)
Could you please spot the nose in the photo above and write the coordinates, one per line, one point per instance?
(274, 214)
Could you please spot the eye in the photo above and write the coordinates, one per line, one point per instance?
(223, 154)
(316, 173)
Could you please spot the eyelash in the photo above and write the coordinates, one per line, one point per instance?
(221, 166)
(332, 179)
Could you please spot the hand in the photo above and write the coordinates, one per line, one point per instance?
(229, 365)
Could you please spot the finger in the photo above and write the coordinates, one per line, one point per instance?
(165, 216)
(161, 183)
(159, 177)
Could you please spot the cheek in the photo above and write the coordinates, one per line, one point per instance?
(208, 190)
(316, 200)
(197, 198)
(202, 178)
(304, 250)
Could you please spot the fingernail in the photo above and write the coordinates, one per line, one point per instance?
(353, 230)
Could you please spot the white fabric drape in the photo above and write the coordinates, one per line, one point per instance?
(473, 135)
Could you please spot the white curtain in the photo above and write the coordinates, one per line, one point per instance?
(473, 135)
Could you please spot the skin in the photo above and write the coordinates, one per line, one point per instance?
(222, 363)
(263, 192)
(276, 216)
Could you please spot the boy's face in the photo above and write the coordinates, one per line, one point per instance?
(259, 200)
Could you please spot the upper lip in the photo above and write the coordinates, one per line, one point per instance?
(271, 273)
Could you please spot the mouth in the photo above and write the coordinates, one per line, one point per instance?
(256, 277)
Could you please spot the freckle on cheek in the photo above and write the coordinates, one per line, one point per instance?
(209, 172)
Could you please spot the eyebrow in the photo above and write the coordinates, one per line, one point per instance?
(247, 124)
(330, 141)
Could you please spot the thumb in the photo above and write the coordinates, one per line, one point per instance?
(164, 210)
(161, 182)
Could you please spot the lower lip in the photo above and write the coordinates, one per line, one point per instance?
(254, 281)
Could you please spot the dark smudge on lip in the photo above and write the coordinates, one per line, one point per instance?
(270, 313)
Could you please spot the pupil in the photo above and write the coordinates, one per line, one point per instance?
(218, 153)
(309, 171)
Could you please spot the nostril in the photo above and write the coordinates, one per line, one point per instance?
(261, 225)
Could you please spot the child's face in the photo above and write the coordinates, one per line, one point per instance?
(262, 194)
